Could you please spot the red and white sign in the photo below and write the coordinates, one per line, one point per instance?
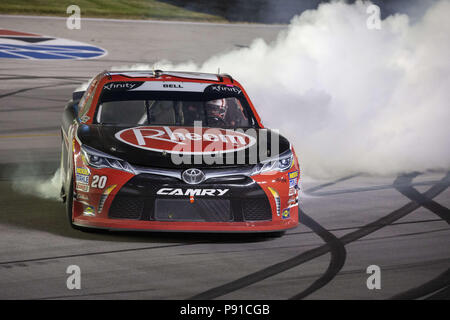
(186, 140)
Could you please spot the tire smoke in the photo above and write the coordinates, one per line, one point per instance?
(351, 99)
(39, 187)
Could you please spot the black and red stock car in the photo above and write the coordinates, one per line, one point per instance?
(174, 151)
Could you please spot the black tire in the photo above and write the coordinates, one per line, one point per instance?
(69, 206)
(62, 193)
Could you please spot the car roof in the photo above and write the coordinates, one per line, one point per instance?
(172, 75)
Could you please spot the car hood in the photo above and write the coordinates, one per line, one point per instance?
(184, 147)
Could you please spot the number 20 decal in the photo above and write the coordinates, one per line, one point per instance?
(99, 181)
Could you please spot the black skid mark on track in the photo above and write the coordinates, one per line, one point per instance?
(8, 263)
(337, 261)
(38, 87)
(443, 294)
(414, 195)
(277, 268)
(441, 282)
(436, 284)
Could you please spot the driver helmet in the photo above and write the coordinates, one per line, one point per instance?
(217, 108)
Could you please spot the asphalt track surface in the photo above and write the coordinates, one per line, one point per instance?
(399, 223)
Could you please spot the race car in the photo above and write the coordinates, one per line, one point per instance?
(174, 151)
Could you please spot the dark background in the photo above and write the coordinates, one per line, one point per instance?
(282, 11)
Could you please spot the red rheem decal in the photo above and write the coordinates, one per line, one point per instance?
(186, 140)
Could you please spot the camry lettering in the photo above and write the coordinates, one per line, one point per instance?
(192, 192)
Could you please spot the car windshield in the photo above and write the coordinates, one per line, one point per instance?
(225, 112)
(211, 109)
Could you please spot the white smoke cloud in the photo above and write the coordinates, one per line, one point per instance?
(349, 98)
(39, 187)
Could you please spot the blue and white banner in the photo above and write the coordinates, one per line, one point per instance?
(20, 45)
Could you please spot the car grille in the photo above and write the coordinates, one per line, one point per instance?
(256, 210)
(126, 208)
(138, 200)
(206, 210)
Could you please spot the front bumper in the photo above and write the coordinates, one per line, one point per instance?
(139, 204)
(129, 225)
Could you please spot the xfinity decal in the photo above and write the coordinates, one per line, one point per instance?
(219, 88)
(192, 192)
(122, 86)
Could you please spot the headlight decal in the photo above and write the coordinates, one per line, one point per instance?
(97, 159)
(283, 162)
(104, 196)
(276, 197)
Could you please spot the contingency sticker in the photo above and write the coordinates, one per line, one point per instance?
(293, 178)
(82, 176)
(82, 187)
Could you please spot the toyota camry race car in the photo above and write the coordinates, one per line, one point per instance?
(174, 151)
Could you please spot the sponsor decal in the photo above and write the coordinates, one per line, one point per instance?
(173, 85)
(286, 214)
(293, 174)
(84, 171)
(21, 45)
(292, 200)
(84, 119)
(293, 178)
(220, 88)
(122, 86)
(192, 192)
(81, 178)
(292, 183)
(82, 196)
(82, 175)
(82, 187)
(168, 86)
(292, 191)
(186, 141)
(89, 211)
